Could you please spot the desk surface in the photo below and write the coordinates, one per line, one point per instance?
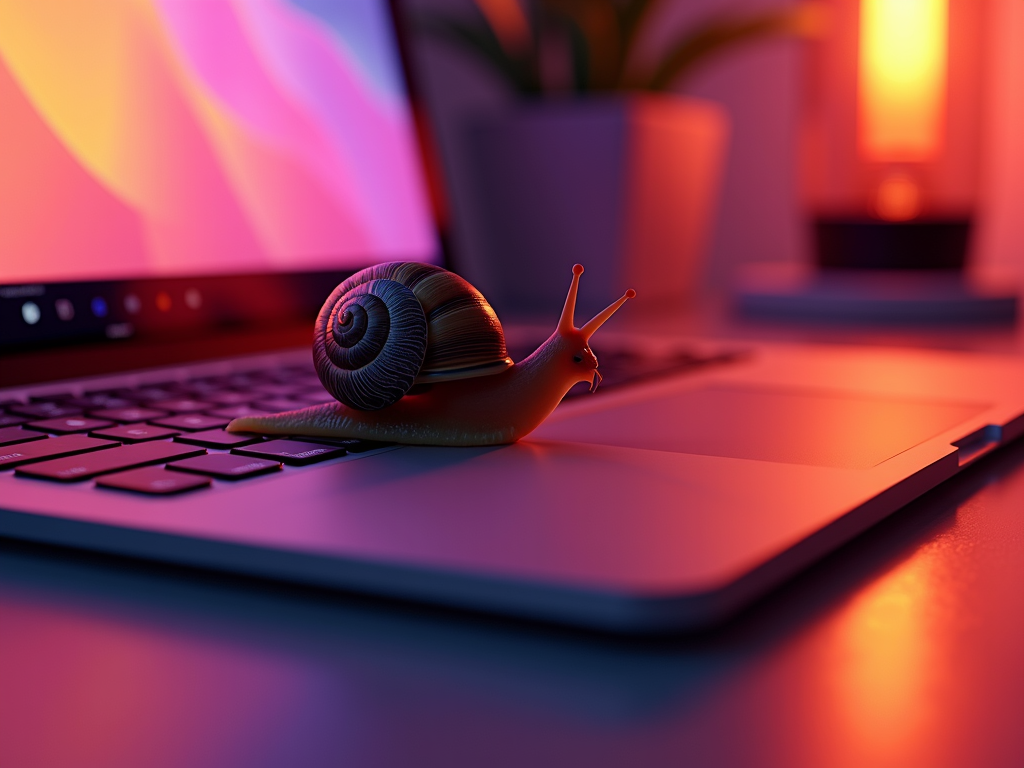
(905, 648)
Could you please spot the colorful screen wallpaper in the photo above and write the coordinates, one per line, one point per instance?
(144, 138)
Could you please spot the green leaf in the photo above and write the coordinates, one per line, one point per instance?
(595, 38)
(579, 55)
(602, 37)
(715, 37)
(633, 17)
(477, 39)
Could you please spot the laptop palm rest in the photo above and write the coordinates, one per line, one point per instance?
(789, 426)
(668, 506)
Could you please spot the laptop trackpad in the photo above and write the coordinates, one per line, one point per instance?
(782, 425)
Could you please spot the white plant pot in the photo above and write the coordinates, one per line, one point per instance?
(626, 187)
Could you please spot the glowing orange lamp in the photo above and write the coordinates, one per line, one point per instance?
(892, 133)
(901, 89)
(890, 145)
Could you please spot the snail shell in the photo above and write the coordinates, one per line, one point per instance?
(394, 325)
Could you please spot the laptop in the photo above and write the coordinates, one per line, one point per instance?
(181, 186)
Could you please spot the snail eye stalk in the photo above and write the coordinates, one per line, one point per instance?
(601, 317)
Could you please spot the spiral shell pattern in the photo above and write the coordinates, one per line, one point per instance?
(394, 325)
(370, 343)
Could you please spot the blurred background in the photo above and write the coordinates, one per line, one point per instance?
(760, 85)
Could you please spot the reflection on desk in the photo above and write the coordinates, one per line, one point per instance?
(902, 649)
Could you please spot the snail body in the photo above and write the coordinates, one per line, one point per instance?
(476, 398)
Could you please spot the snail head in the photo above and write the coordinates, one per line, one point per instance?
(578, 359)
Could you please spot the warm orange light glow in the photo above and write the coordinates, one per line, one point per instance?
(902, 78)
(886, 665)
(898, 198)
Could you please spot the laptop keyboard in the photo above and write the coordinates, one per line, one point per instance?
(169, 438)
(166, 438)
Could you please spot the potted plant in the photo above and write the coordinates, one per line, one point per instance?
(598, 163)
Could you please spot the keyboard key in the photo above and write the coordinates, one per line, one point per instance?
(306, 379)
(288, 371)
(218, 438)
(191, 422)
(128, 415)
(55, 447)
(134, 433)
(244, 380)
(225, 397)
(9, 419)
(279, 404)
(267, 391)
(121, 393)
(52, 397)
(154, 392)
(13, 435)
(237, 412)
(181, 405)
(291, 452)
(69, 425)
(91, 402)
(155, 481)
(226, 466)
(74, 468)
(217, 382)
(316, 397)
(44, 410)
(350, 444)
(199, 385)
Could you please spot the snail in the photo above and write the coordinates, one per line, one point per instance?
(416, 355)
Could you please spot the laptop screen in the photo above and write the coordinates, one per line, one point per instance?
(159, 157)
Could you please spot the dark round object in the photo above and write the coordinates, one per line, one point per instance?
(394, 325)
(370, 343)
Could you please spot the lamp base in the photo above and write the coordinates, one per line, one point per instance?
(861, 243)
(797, 292)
